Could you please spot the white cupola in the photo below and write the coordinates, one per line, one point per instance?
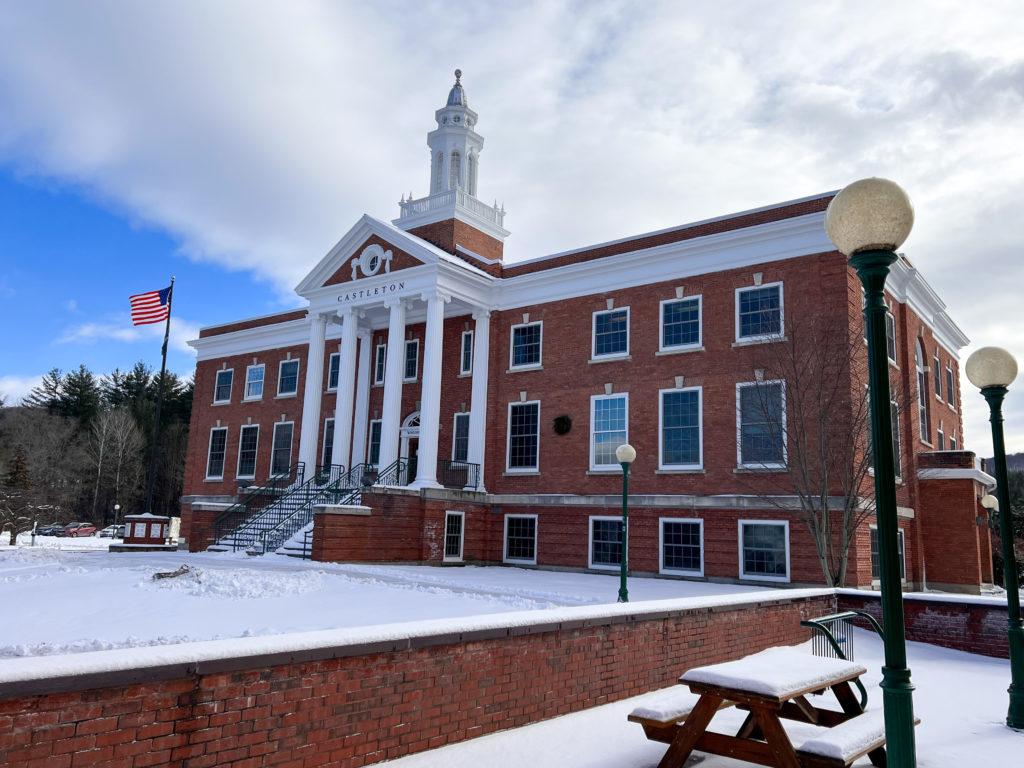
(454, 166)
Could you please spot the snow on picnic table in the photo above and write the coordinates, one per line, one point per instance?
(76, 601)
(961, 700)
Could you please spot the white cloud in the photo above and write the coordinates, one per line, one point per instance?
(14, 388)
(257, 135)
(123, 331)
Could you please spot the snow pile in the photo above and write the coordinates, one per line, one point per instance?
(670, 704)
(238, 583)
(779, 672)
(848, 739)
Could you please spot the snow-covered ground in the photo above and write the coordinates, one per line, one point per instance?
(960, 698)
(72, 600)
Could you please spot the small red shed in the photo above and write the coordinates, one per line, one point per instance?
(146, 528)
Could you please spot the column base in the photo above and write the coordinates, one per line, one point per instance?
(418, 484)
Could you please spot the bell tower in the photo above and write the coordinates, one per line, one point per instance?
(452, 217)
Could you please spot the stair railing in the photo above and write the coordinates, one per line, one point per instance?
(255, 499)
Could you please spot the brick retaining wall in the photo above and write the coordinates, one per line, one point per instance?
(972, 626)
(352, 705)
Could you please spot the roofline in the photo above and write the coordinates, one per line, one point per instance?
(254, 317)
(679, 227)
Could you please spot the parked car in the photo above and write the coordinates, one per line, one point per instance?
(112, 532)
(53, 529)
(79, 529)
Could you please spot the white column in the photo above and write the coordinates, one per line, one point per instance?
(430, 393)
(346, 389)
(362, 397)
(309, 437)
(391, 414)
(478, 405)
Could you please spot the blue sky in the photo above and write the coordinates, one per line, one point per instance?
(154, 142)
(69, 264)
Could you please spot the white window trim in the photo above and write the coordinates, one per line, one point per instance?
(937, 378)
(760, 577)
(369, 439)
(238, 464)
(463, 371)
(593, 334)
(895, 336)
(231, 386)
(536, 541)
(445, 557)
(209, 449)
(613, 468)
(298, 372)
(246, 397)
(661, 430)
(512, 347)
(661, 546)
(782, 314)
(405, 359)
(508, 441)
(899, 535)
(330, 363)
(273, 442)
(700, 325)
(378, 351)
(455, 422)
(323, 447)
(950, 387)
(739, 428)
(590, 543)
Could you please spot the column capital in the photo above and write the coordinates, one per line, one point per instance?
(436, 295)
(481, 313)
(364, 333)
(394, 301)
(322, 317)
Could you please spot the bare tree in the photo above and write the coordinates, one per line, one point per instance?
(805, 434)
(127, 446)
(98, 446)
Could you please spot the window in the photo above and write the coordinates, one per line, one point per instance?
(466, 354)
(374, 448)
(523, 436)
(759, 313)
(521, 539)
(897, 446)
(254, 375)
(680, 323)
(380, 359)
(222, 386)
(288, 378)
(764, 550)
(609, 428)
(215, 455)
(876, 561)
(412, 359)
(890, 337)
(937, 375)
(327, 452)
(952, 441)
(682, 549)
(140, 530)
(453, 533)
(455, 171)
(610, 333)
(950, 389)
(605, 542)
(460, 437)
(248, 442)
(281, 451)
(922, 394)
(941, 443)
(333, 367)
(680, 434)
(526, 345)
(761, 425)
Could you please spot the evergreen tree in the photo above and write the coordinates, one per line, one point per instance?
(47, 393)
(80, 396)
(16, 475)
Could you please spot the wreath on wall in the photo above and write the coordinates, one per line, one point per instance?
(562, 424)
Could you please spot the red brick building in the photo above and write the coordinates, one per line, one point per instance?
(431, 403)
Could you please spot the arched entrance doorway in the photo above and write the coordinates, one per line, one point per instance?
(410, 444)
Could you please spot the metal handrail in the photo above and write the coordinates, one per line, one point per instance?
(822, 624)
(248, 505)
(458, 474)
(396, 473)
(302, 514)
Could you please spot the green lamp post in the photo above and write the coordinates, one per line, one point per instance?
(626, 455)
(868, 220)
(992, 370)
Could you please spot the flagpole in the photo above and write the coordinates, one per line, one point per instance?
(151, 480)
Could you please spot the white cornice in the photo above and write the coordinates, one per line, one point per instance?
(908, 286)
(287, 334)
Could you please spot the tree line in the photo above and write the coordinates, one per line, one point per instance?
(79, 443)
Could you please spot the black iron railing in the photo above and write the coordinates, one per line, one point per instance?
(394, 474)
(255, 498)
(458, 474)
(300, 512)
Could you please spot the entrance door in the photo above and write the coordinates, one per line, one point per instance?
(414, 452)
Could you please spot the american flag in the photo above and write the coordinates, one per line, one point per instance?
(151, 306)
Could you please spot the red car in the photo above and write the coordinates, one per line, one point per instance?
(79, 529)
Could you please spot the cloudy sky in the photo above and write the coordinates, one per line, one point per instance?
(231, 144)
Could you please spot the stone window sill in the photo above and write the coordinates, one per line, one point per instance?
(669, 471)
(610, 359)
(524, 368)
(755, 342)
(680, 350)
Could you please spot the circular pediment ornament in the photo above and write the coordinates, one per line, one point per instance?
(370, 259)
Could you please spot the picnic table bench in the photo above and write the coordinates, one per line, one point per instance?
(770, 686)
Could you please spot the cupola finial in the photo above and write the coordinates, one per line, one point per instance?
(458, 74)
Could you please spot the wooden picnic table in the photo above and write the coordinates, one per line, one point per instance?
(772, 686)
